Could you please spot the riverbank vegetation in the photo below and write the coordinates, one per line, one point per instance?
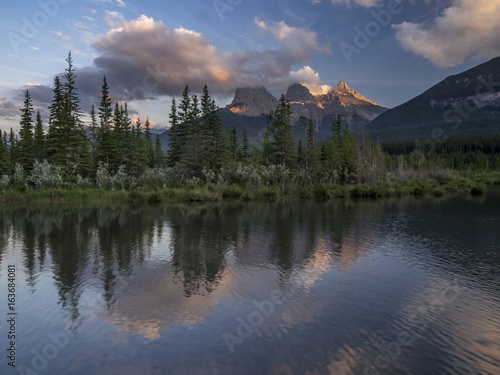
(111, 158)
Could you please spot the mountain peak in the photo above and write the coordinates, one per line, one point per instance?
(252, 101)
(297, 92)
(343, 90)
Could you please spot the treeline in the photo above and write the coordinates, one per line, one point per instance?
(72, 147)
(200, 145)
(478, 153)
(113, 152)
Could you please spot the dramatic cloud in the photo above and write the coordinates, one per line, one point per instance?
(468, 28)
(147, 59)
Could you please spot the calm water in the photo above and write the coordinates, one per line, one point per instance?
(408, 286)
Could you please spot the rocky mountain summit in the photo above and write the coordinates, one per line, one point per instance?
(342, 100)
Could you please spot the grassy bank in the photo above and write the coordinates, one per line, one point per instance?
(464, 185)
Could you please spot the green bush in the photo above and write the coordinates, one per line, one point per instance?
(232, 191)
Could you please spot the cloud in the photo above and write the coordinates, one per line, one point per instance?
(305, 76)
(363, 3)
(297, 40)
(8, 108)
(146, 60)
(114, 19)
(468, 28)
(61, 35)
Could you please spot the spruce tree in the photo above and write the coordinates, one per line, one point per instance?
(311, 155)
(216, 137)
(39, 139)
(26, 133)
(13, 147)
(148, 146)
(126, 140)
(138, 150)
(245, 146)
(55, 142)
(4, 155)
(93, 134)
(280, 127)
(234, 144)
(193, 155)
(116, 157)
(175, 149)
(104, 147)
(78, 158)
(348, 155)
(159, 155)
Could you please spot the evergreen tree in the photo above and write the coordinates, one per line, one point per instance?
(348, 156)
(138, 150)
(300, 153)
(175, 148)
(39, 139)
(4, 155)
(13, 148)
(267, 149)
(126, 140)
(148, 146)
(245, 147)
(332, 151)
(93, 134)
(193, 155)
(116, 157)
(159, 155)
(311, 154)
(280, 127)
(55, 142)
(216, 146)
(234, 146)
(182, 128)
(104, 146)
(26, 133)
(78, 158)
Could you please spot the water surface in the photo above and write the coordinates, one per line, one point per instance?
(406, 286)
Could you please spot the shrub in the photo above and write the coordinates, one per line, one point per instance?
(18, 177)
(5, 182)
(232, 191)
(45, 176)
(102, 178)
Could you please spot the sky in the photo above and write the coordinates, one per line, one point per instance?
(388, 50)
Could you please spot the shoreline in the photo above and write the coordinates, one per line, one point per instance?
(208, 192)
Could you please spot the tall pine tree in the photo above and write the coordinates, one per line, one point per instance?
(25, 146)
(280, 128)
(39, 139)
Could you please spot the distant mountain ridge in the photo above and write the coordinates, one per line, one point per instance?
(251, 105)
(465, 104)
(342, 100)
